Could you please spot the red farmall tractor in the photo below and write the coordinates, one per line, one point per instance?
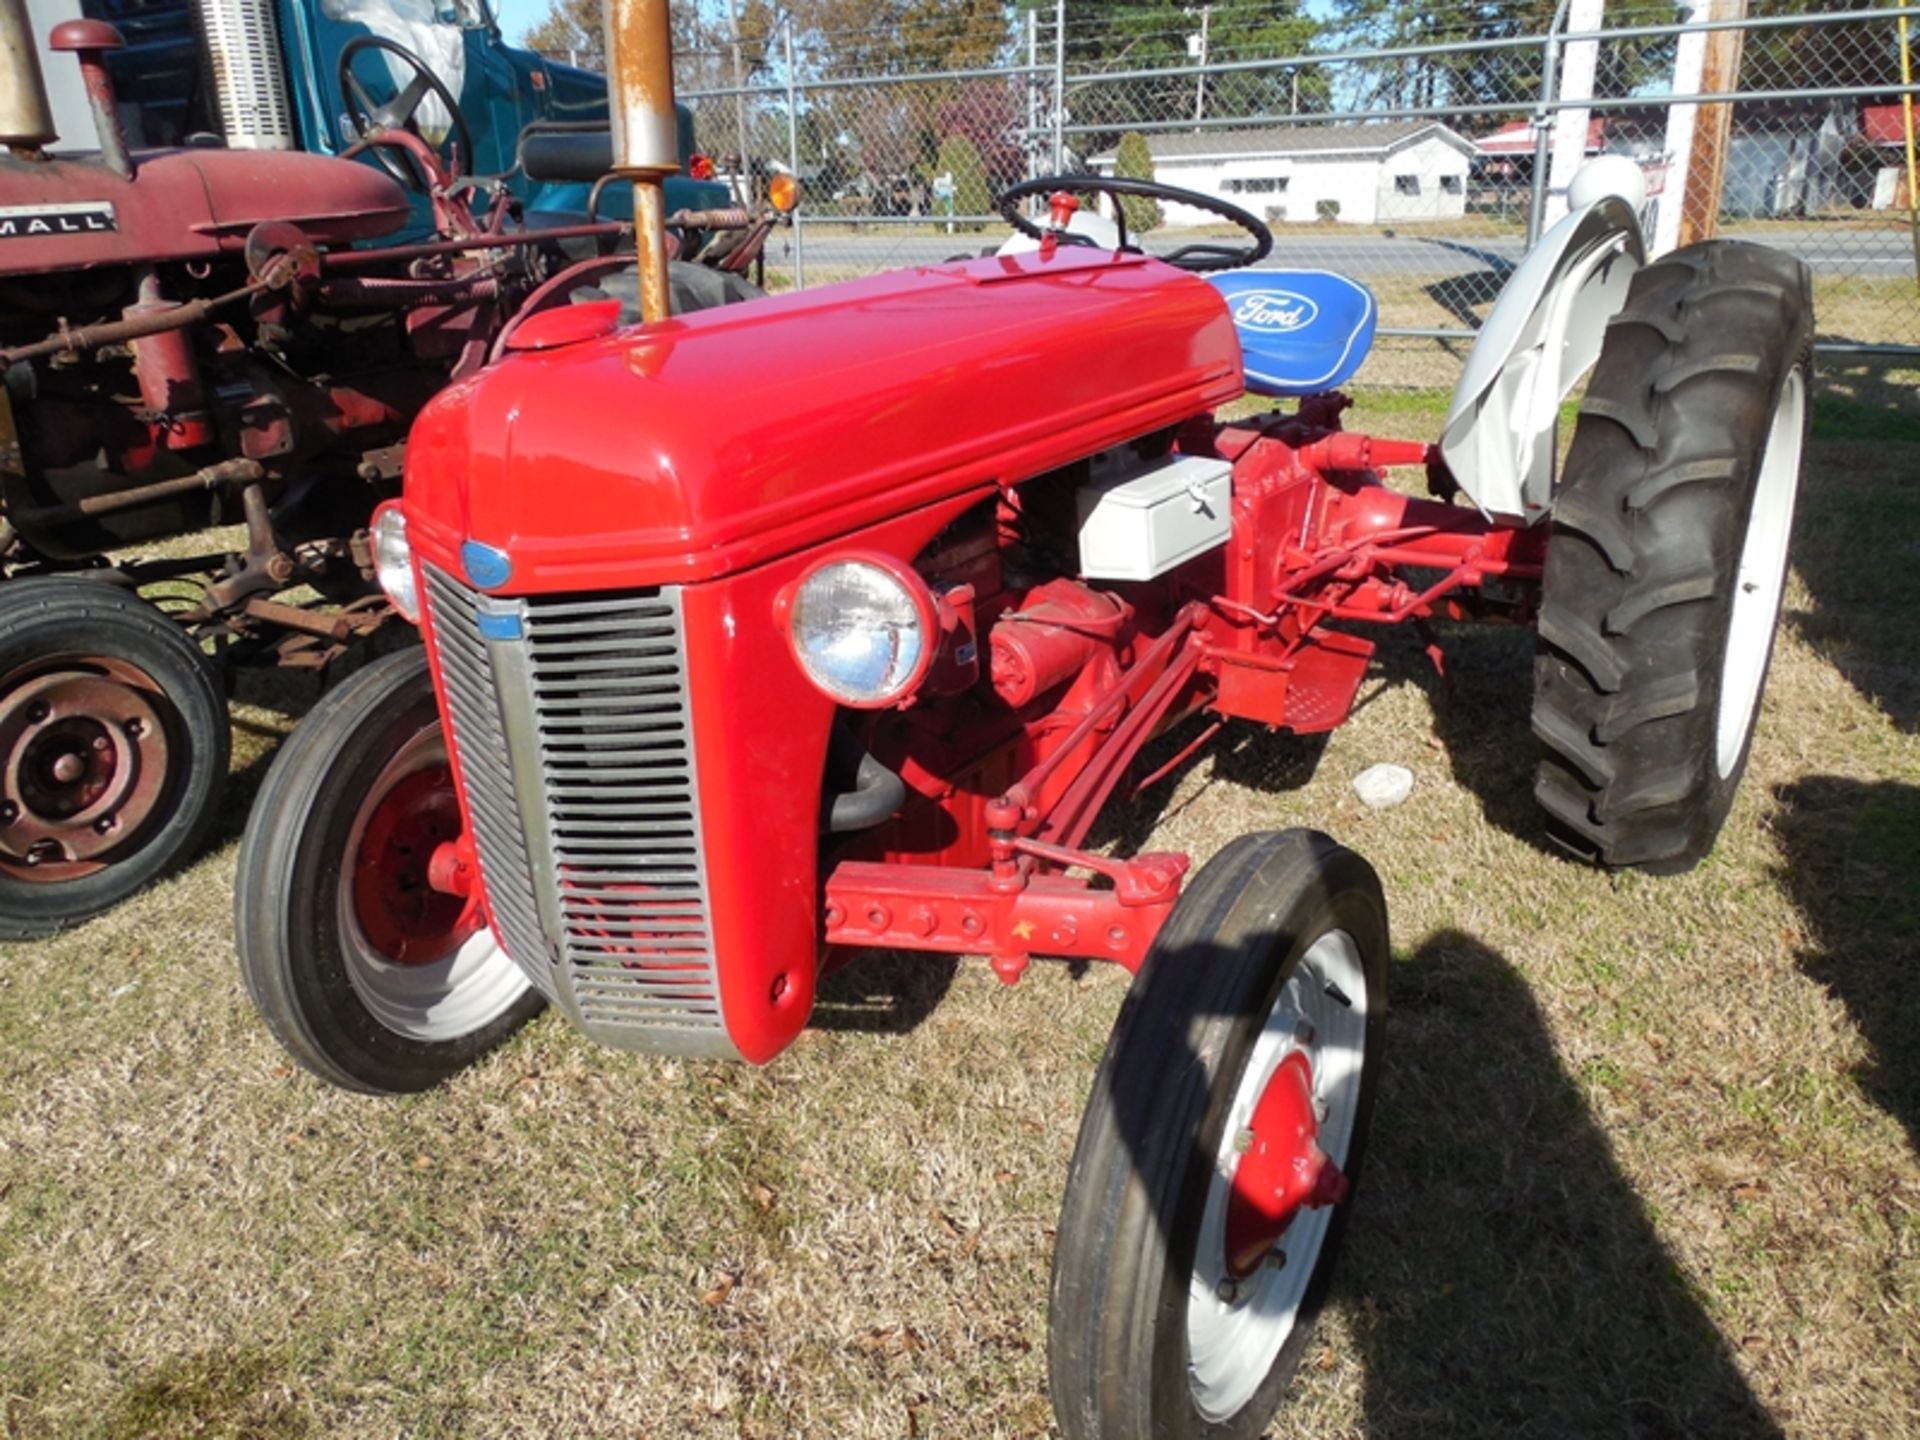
(715, 696)
(199, 336)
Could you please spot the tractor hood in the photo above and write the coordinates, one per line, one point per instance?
(181, 205)
(704, 445)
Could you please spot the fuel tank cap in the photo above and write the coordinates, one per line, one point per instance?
(566, 325)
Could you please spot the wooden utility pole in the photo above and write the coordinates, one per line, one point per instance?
(1705, 171)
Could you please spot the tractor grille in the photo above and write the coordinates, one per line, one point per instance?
(249, 83)
(570, 718)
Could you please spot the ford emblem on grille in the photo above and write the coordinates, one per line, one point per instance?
(486, 565)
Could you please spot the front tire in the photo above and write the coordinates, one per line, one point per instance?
(1663, 581)
(366, 975)
(1252, 1034)
(114, 748)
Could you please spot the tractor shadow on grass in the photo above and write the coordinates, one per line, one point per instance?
(1847, 851)
(1469, 296)
(291, 694)
(1482, 717)
(1501, 1274)
(1856, 542)
(1243, 754)
(883, 992)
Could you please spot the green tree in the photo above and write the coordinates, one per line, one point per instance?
(1461, 77)
(1797, 56)
(575, 30)
(1134, 161)
(1159, 35)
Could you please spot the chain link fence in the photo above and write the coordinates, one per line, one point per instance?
(1425, 170)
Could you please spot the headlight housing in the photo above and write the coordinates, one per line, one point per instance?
(863, 628)
(393, 561)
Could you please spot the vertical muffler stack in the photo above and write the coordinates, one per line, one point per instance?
(645, 132)
(242, 42)
(26, 122)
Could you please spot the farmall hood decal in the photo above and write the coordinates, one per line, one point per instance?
(91, 217)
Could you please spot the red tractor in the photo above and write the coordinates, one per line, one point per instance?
(200, 336)
(714, 697)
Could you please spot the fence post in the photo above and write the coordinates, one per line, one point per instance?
(1059, 85)
(1033, 94)
(743, 171)
(1543, 125)
(1579, 60)
(1913, 168)
(793, 159)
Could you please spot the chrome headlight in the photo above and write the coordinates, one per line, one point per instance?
(393, 561)
(863, 629)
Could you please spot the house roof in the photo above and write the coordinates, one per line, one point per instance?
(1353, 139)
(1884, 124)
(1517, 138)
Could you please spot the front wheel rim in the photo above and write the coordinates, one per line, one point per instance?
(1761, 577)
(1236, 1327)
(88, 764)
(424, 969)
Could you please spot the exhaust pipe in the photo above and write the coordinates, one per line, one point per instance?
(646, 134)
(26, 122)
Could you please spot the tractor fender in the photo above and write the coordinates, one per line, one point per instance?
(1543, 335)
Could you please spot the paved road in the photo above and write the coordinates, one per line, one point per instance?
(1871, 253)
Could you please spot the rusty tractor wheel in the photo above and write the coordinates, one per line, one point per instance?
(113, 750)
(367, 974)
(1205, 1204)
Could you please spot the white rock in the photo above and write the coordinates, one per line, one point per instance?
(1383, 786)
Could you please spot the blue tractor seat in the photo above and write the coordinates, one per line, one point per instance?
(1301, 331)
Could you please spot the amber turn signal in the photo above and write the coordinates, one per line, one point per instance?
(783, 192)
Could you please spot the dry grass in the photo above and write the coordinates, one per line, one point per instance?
(1645, 1162)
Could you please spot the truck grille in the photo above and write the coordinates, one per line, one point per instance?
(570, 719)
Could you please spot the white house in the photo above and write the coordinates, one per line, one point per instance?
(1363, 174)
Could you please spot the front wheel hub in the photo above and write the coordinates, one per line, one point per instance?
(1281, 1171)
(403, 914)
(84, 763)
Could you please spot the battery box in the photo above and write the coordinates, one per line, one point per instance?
(1141, 519)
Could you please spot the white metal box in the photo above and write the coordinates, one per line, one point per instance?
(1142, 522)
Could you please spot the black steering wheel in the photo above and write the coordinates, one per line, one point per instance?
(399, 113)
(1201, 256)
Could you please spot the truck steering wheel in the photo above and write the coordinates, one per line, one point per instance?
(399, 113)
(1200, 256)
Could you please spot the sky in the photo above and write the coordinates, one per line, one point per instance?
(519, 16)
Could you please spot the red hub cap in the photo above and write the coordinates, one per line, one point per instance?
(400, 911)
(1282, 1170)
(84, 764)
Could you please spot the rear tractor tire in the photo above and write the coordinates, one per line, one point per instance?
(365, 974)
(1668, 558)
(1207, 1197)
(691, 288)
(113, 750)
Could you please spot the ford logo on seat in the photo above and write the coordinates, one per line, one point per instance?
(1274, 312)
